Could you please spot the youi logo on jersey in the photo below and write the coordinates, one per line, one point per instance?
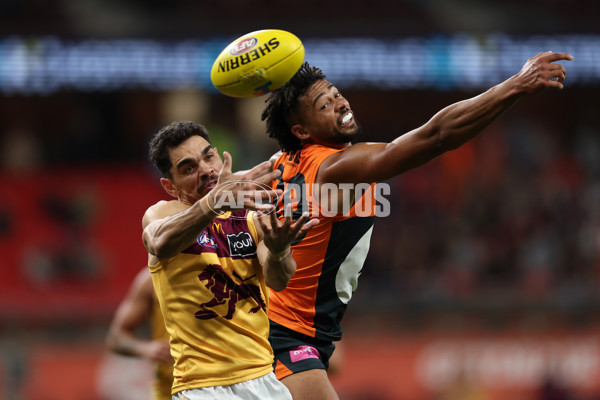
(241, 245)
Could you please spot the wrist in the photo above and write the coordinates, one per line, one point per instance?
(279, 256)
(207, 207)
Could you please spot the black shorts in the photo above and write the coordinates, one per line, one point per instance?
(295, 352)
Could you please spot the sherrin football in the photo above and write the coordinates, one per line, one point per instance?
(257, 63)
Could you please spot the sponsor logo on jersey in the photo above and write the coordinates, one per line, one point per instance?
(241, 245)
(206, 241)
(303, 352)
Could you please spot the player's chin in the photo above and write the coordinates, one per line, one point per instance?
(347, 129)
(352, 132)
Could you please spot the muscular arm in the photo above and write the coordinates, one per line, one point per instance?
(277, 268)
(170, 226)
(134, 312)
(447, 130)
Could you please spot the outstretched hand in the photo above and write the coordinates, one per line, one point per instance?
(247, 189)
(540, 72)
(278, 235)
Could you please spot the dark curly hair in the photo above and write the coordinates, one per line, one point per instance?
(282, 106)
(169, 137)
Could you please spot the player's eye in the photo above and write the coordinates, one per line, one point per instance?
(209, 155)
(187, 169)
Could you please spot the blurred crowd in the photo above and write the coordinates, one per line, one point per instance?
(508, 221)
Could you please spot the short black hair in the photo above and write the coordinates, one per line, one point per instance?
(282, 106)
(170, 137)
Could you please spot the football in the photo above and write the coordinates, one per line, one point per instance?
(257, 63)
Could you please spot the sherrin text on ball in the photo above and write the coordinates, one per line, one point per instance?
(257, 63)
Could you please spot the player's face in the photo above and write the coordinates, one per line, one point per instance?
(195, 169)
(326, 115)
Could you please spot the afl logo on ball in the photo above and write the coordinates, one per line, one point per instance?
(243, 46)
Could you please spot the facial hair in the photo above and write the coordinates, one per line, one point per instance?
(352, 137)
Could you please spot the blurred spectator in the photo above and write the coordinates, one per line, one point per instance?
(550, 389)
(140, 308)
(13, 368)
(520, 223)
(21, 151)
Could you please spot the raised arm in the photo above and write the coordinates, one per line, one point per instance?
(274, 253)
(169, 227)
(446, 130)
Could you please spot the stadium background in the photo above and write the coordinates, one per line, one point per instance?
(483, 282)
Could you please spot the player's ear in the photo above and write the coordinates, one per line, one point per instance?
(299, 132)
(169, 188)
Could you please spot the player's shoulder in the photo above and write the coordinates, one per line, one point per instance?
(320, 154)
(343, 164)
(273, 159)
(162, 209)
(351, 151)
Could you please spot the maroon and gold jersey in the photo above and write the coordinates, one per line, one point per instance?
(163, 372)
(214, 302)
(329, 258)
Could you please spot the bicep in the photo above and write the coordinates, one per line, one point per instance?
(376, 162)
(155, 217)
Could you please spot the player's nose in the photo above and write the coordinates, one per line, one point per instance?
(342, 104)
(205, 169)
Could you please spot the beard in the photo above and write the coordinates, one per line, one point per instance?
(349, 137)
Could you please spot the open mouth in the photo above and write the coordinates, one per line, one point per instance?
(208, 187)
(346, 119)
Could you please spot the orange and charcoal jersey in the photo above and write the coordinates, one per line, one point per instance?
(329, 257)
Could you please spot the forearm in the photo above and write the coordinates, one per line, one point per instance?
(460, 122)
(447, 130)
(278, 268)
(126, 344)
(167, 237)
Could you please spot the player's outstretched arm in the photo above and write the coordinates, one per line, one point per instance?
(169, 227)
(274, 253)
(448, 129)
